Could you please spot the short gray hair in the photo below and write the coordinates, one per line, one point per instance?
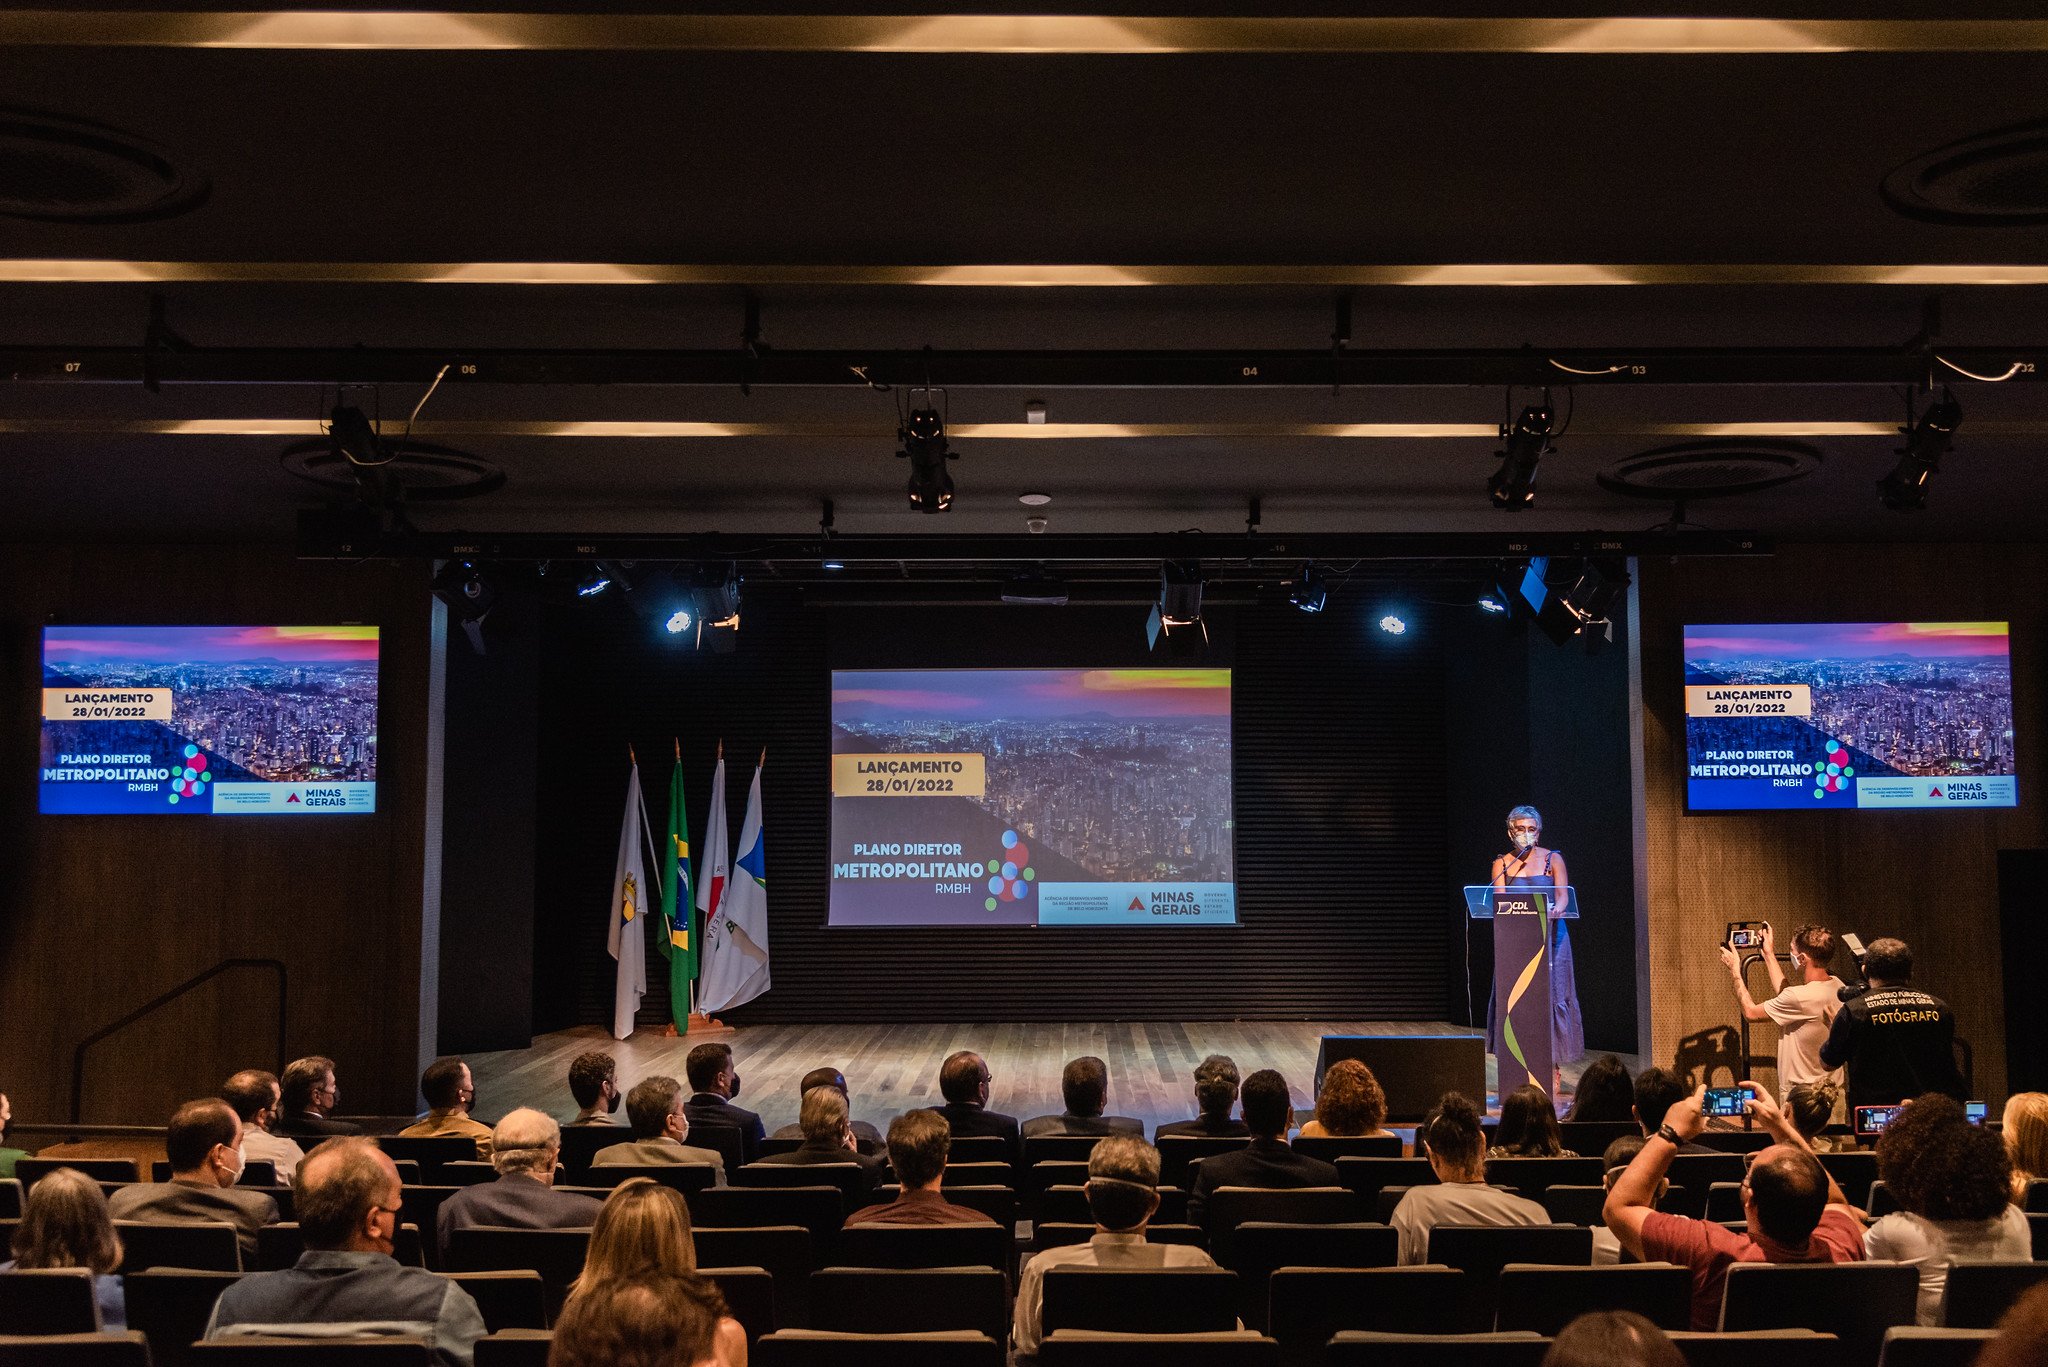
(1527, 812)
(525, 1141)
(822, 1115)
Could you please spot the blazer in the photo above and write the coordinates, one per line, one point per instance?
(1082, 1125)
(184, 1203)
(709, 1108)
(870, 1167)
(1267, 1163)
(306, 1125)
(517, 1201)
(658, 1153)
(971, 1121)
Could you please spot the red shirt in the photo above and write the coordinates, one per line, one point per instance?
(1708, 1249)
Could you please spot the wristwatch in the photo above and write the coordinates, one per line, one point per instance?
(1670, 1136)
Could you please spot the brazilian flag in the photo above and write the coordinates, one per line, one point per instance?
(682, 948)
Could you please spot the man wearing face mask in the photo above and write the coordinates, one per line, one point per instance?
(715, 1083)
(594, 1082)
(1529, 865)
(1803, 1011)
(204, 1144)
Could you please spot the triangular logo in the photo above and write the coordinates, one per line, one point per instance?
(1934, 792)
(1136, 905)
(293, 798)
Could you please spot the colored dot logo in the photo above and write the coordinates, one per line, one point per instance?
(1010, 875)
(1833, 774)
(191, 779)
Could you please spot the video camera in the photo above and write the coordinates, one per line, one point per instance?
(1854, 944)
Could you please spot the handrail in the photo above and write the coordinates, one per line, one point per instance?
(78, 1055)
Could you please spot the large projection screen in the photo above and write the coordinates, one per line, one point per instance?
(1022, 797)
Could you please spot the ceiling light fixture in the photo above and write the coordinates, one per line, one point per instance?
(1034, 500)
(923, 434)
(1178, 614)
(1513, 486)
(1905, 488)
(1313, 592)
(1393, 625)
(469, 593)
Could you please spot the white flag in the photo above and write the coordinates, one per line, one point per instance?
(736, 935)
(627, 939)
(714, 867)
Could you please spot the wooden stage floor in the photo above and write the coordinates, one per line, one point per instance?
(894, 1068)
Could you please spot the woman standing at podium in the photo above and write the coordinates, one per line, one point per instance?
(1530, 865)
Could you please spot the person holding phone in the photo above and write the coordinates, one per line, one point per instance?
(1529, 865)
(1803, 1011)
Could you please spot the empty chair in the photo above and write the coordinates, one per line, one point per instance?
(556, 1254)
(278, 1246)
(170, 1307)
(820, 1348)
(1054, 1148)
(925, 1246)
(978, 1148)
(1593, 1136)
(1853, 1173)
(429, 1152)
(253, 1351)
(878, 1300)
(1978, 1291)
(749, 1294)
(1698, 1171)
(817, 1208)
(1354, 1349)
(1734, 1141)
(1911, 1346)
(1882, 1202)
(684, 1177)
(2037, 1197)
(1047, 1174)
(1575, 1205)
(1178, 1151)
(2040, 1228)
(74, 1350)
(1330, 1148)
(1369, 1176)
(1724, 1202)
(1481, 1251)
(507, 1299)
(1306, 1305)
(1546, 1299)
(723, 1140)
(580, 1144)
(1223, 1348)
(1230, 1207)
(1529, 1176)
(422, 1206)
(998, 1203)
(209, 1245)
(1856, 1302)
(1166, 1300)
(1758, 1348)
(783, 1251)
(1259, 1248)
(848, 1179)
(1071, 1203)
(515, 1347)
(55, 1300)
(977, 1175)
(10, 1198)
(28, 1171)
(1058, 1234)
(467, 1173)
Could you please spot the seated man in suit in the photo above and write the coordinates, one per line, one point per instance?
(714, 1082)
(864, 1134)
(254, 1095)
(828, 1138)
(1267, 1161)
(524, 1147)
(1459, 1196)
(964, 1082)
(452, 1095)
(204, 1144)
(655, 1107)
(1215, 1091)
(1084, 1084)
(310, 1096)
(347, 1282)
(594, 1082)
(918, 1144)
(1123, 1195)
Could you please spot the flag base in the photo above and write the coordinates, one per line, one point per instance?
(699, 1024)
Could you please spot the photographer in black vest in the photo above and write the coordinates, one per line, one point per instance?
(1897, 1041)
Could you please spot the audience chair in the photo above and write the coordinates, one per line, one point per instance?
(57, 1300)
(1178, 1151)
(29, 1171)
(580, 1144)
(422, 1206)
(1481, 1251)
(1059, 1233)
(515, 1347)
(876, 1300)
(998, 1203)
(1259, 1248)
(1546, 1299)
(74, 1350)
(1591, 1137)
(1330, 1148)
(555, 1254)
(1758, 1348)
(925, 1246)
(1059, 1148)
(2037, 1197)
(724, 1140)
(278, 1246)
(844, 1178)
(818, 1209)
(977, 1175)
(1882, 1202)
(2040, 1229)
(684, 1177)
(1046, 1174)
(820, 1348)
(508, 1299)
(1978, 1291)
(257, 1172)
(1369, 1176)
(1735, 1141)
(257, 1351)
(467, 1173)
(1306, 1305)
(772, 1145)
(1167, 1300)
(1853, 1173)
(170, 1307)
(208, 1246)
(749, 1293)
(1354, 1349)
(1223, 1348)
(978, 1148)
(1528, 1177)
(1911, 1346)
(1724, 1202)
(1230, 1207)
(1856, 1302)
(1071, 1203)
(1576, 1205)
(783, 1251)
(429, 1153)
(1698, 1171)
(10, 1198)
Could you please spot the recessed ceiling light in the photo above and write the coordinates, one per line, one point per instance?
(1034, 500)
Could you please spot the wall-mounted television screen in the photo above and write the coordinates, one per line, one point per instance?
(1021, 797)
(209, 720)
(1849, 714)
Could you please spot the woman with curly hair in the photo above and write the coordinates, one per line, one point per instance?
(1350, 1105)
(1952, 1180)
(2026, 1139)
(1528, 1127)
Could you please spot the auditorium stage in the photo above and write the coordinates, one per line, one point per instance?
(894, 1068)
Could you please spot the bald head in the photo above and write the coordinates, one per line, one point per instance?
(1784, 1194)
(346, 1196)
(526, 1141)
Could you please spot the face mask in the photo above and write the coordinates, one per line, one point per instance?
(735, 1088)
(1523, 840)
(241, 1163)
(470, 1106)
(612, 1109)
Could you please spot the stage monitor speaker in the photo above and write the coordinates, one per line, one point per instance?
(1413, 1070)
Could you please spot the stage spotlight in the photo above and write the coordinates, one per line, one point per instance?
(1178, 613)
(830, 564)
(1591, 598)
(1513, 486)
(1393, 625)
(923, 434)
(1493, 602)
(1905, 488)
(1313, 592)
(718, 606)
(469, 594)
(595, 580)
(678, 622)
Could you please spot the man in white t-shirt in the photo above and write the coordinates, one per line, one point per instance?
(1803, 1011)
